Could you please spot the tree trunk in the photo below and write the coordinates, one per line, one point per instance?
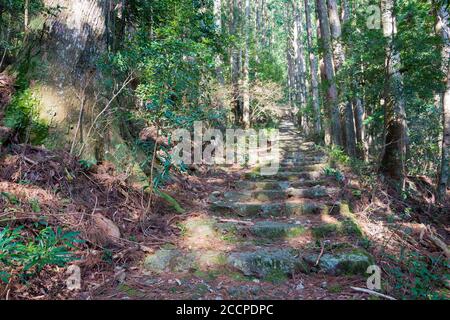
(360, 128)
(75, 39)
(444, 29)
(300, 76)
(332, 94)
(339, 59)
(26, 14)
(218, 24)
(246, 71)
(235, 64)
(393, 161)
(313, 71)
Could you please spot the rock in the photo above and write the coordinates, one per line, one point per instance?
(160, 261)
(272, 229)
(298, 209)
(248, 209)
(107, 227)
(314, 193)
(174, 260)
(345, 263)
(265, 263)
(300, 287)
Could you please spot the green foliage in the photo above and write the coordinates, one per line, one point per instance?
(10, 197)
(22, 115)
(338, 155)
(336, 174)
(414, 278)
(27, 256)
(363, 76)
(35, 206)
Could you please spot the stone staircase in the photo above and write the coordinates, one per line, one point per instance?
(272, 227)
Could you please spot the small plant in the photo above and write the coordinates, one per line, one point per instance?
(339, 156)
(87, 164)
(22, 115)
(336, 174)
(12, 199)
(35, 206)
(29, 257)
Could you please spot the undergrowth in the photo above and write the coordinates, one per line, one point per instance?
(416, 277)
(24, 253)
(23, 117)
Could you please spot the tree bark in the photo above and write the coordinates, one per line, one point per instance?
(332, 94)
(339, 60)
(394, 156)
(360, 128)
(246, 67)
(218, 24)
(313, 71)
(300, 69)
(444, 29)
(235, 64)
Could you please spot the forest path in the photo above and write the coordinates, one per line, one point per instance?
(285, 236)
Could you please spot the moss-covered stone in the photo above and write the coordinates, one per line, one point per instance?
(351, 262)
(325, 230)
(265, 263)
(275, 230)
(312, 193)
(178, 261)
(297, 209)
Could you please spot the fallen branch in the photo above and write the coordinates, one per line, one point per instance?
(438, 242)
(320, 255)
(374, 293)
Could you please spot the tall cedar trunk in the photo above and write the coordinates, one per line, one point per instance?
(75, 39)
(313, 72)
(299, 58)
(258, 28)
(360, 116)
(235, 64)
(26, 14)
(264, 23)
(246, 66)
(290, 58)
(218, 25)
(358, 107)
(393, 161)
(444, 29)
(332, 94)
(349, 136)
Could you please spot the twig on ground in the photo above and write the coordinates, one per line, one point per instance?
(320, 255)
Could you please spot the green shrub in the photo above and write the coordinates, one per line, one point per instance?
(27, 257)
(414, 278)
(22, 115)
(336, 174)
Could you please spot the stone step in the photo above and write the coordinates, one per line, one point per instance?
(288, 208)
(271, 230)
(277, 185)
(287, 176)
(268, 263)
(304, 162)
(292, 168)
(275, 195)
(304, 166)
